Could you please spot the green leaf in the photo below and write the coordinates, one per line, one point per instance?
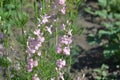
(104, 66)
(98, 71)
(4, 62)
(98, 77)
(107, 25)
(102, 13)
(108, 53)
(117, 23)
(102, 3)
(103, 32)
(88, 10)
(104, 73)
(117, 16)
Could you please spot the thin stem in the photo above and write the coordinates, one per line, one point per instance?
(36, 10)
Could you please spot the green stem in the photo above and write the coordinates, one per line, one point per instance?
(2, 4)
(9, 76)
(35, 10)
(56, 35)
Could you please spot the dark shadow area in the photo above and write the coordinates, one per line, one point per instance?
(91, 1)
(92, 59)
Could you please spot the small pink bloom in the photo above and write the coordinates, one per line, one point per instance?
(58, 49)
(30, 62)
(54, 6)
(37, 47)
(66, 51)
(1, 35)
(65, 40)
(29, 50)
(45, 19)
(29, 68)
(61, 76)
(37, 32)
(63, 10)
(35, 77)
(35, 63)
(49, 29)
(41, 38)
(61, 2)
(60, 63)
(52, 79)
(62, 27)
(70, 32)
(39, 53)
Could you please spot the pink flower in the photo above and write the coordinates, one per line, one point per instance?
(39, 53)
(66, 50)
(70, 32)
(61, 76)
(1, 35)
(52, 79)
(45, 19)
(35, 77)
(62, 27)
(41, 39)
(58, 49)
(30, 61)
(61, 2)
(65, 40)
(29, 68)
(63, 10)
(60, 63)
(49, 29)
(37, 32)
(35, 63)
(54, 6)
(30, 50)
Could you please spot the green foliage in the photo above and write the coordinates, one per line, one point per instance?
(4, 62)
(101, 73)
(75, 51)
(110, 32)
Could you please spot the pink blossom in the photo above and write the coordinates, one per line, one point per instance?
(61, 2)
(60, 63)
(1, 35)
(39, 53)
(45, 19)
(37, 46)
(52, 79)
(66, 50)
(70, 32)
(35, 77)
(62, 27)
(65, 40)
(63, 10)
(35, 63)
(58, 49)
(29, 68)
(54, 6)
(30, 50)
(34, 44)
(41, 39)
(30, 61)
(37, 32)
(49, 29)
(61, 76)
